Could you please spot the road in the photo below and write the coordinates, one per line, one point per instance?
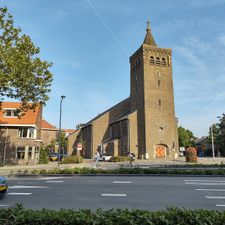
(92, 192)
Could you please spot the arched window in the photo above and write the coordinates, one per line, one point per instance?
(163, 62)
(152, 60)
(157, 61)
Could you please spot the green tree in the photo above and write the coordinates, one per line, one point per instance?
(222, 135)
(186, 137)
(43, 156)
(23, 75)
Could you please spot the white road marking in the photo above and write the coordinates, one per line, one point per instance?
(220, 205)
(122, 182)
(114, 195)
(215, 197)
(201, 189)
(16, 193)
(220, 181)
(50, 178)
(4, 205)
(54, 181)
(22, 187)
(199, 183)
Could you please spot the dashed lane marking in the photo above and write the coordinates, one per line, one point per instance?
(200, 183)
(17, 193)
(122, 182)
(54, 181)
(215, 197)
(220, 181)
(114, 195)
(218, 205)
(24, 187)
(201, 189)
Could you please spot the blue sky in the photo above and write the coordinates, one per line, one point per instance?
(90, 41)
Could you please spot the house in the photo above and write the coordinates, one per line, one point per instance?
(20, 137)
(145, 122)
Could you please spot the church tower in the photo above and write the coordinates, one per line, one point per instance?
(151, 94)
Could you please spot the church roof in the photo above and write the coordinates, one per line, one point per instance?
(149, 40)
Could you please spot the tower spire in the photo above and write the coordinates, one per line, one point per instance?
(149, 40)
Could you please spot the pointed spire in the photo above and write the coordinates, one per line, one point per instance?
(149, 40)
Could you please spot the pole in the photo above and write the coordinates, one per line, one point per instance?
(6, 140)
(59, 136)
(213, 152)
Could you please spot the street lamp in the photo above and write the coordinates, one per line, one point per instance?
(60, 118)
(213, 152)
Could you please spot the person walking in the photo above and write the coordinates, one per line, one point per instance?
(97, 156)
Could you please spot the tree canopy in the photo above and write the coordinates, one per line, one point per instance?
(186, 137)
(23, 75)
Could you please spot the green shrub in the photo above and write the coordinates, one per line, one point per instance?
(172, 216)
(120, 159)
(43, 156)
(72, 159)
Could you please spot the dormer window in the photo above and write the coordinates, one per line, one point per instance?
(11, 112)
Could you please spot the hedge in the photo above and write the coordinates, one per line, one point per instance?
(174, 216)
(134, 171)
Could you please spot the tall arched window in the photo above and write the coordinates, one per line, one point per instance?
(163, 62)
(157, 61)
(152, 60)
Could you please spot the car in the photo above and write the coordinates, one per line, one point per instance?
(3, 186)
(105, 158)
(54, 156)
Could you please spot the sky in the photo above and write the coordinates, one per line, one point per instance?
(89, 43)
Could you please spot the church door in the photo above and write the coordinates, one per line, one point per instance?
(160, 151)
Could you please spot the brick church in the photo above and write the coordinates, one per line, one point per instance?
(145, 122)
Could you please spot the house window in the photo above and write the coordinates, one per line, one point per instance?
(30, 152)
(152, 60)
(11, 112)
(20, 152)
(163, 62)
(26, 132)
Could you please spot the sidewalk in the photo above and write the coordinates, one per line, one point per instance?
(12, 170)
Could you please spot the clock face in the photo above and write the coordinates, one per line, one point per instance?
(160, 151)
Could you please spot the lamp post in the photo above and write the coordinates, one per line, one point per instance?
(60, 118)
(213, 152)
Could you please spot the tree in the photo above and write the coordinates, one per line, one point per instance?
(23, 75)
(186, 137)
(222, 134)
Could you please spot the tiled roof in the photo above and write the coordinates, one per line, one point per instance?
(47, 125)
(30, 116)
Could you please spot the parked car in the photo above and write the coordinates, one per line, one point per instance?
(105, 158)
(3, 186)
(54, 156)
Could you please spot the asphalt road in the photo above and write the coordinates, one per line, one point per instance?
(133, 192)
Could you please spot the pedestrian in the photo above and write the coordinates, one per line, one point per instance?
(131, 157)
(96, 158)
